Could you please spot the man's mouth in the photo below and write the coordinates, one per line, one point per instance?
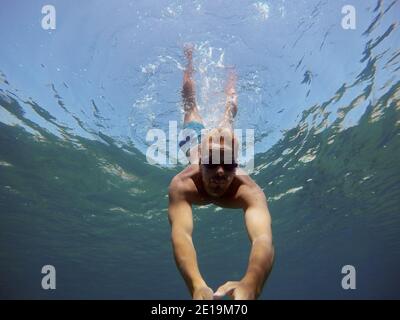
(218, 183)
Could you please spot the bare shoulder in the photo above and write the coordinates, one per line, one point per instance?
(182, 184)
(249, 191)
(177, 187)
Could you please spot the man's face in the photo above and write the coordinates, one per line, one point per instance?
(217, 175)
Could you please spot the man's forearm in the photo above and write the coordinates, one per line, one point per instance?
(186, 260)
(260, 263)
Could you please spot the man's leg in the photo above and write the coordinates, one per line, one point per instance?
(188, 90)
(192, 119)
(231, 101)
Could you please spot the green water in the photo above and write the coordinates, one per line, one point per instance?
(97, 212)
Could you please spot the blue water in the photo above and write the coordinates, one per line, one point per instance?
(77, 192)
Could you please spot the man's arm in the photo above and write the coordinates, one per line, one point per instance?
(181, 220)
(258, 224)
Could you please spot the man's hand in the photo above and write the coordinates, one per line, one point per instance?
(238, 290)
(203, 293)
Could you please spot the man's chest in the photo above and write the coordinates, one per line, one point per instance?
(224, 202)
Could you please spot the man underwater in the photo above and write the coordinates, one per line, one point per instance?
(213, 176)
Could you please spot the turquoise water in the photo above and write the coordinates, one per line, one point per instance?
(76, 102)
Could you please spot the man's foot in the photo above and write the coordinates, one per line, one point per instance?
(188, 51)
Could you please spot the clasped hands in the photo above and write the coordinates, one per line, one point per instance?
(237, 290)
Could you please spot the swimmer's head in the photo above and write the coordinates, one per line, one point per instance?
(218, 154)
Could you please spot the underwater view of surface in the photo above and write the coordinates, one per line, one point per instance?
(76, 103)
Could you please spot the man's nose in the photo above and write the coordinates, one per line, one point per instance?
(220, 170)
